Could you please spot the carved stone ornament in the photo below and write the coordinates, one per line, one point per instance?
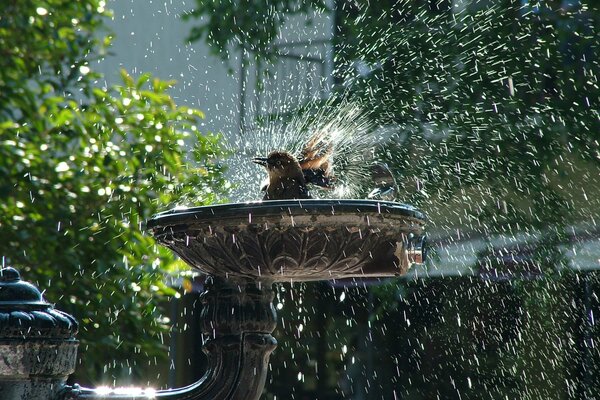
(295, 240)
(37, 343)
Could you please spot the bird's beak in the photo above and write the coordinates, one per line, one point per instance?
(260, 160)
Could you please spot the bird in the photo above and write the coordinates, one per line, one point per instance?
(289, 176)
(384, 181)
(351, 146)
(286, 178)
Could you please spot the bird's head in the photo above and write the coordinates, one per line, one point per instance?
(280, 163)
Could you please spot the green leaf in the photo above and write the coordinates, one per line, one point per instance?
(142, 80)
(63, 116)
(126, 78)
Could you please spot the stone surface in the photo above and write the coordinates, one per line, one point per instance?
(29, 357)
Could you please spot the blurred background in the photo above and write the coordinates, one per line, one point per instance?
(493, 109)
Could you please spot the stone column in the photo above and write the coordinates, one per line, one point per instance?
(240, 313)
(38, 348)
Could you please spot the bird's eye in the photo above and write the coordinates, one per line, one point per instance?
(278, 162)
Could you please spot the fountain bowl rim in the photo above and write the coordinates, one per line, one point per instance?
(180, 215)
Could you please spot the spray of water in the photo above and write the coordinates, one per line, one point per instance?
(345, 128)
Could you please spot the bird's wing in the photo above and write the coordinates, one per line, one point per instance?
(315, 160)
(318, 177)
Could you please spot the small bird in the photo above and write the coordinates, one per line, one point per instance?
(286, 178)
(385, 183)
(289, 176)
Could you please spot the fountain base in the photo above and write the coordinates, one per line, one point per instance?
(238, 318)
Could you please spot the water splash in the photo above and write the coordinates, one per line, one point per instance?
(346, 127)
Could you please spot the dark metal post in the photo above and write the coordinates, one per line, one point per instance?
(37, 343)
(239, 315)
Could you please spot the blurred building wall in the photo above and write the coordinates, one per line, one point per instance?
(150, 36)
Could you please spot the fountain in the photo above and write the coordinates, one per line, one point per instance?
(248, 247)
(245, 248)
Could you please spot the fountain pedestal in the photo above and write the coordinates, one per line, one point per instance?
(246, 247)
(238, 316)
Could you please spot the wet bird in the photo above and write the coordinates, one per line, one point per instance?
(288, 176)
(286, 179)
(384, 181)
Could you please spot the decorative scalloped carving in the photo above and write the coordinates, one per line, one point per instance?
(295, 240)
(46, 323)
(289, 252)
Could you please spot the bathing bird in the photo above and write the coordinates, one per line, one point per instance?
(386, 187)
(289, 176)
(286, 179)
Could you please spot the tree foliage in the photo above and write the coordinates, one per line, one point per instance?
(81, 168)
(493, 97)
(495, 107)
(495, 103)
(247, 24)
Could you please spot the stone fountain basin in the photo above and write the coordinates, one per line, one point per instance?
(295, 240)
